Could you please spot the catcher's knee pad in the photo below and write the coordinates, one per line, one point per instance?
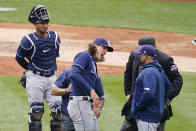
(35, 116)
(55, 123)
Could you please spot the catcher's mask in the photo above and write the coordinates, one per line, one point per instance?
(38, 14)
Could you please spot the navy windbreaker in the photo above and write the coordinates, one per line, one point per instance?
(151, 89)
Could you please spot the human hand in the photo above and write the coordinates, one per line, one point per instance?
(94, 97)
(69, 88)
(97, 112)
(127, 97)
(167, 101)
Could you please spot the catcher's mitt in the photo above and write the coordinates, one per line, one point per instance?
(22, 80)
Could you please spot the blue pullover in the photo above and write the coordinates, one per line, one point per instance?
(151, 89)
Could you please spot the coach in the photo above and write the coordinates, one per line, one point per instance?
(132, 70)
(152, 87)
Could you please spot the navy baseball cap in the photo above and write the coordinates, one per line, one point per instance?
(103, 42)
(148, 50)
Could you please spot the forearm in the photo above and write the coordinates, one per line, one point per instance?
(127, 80)
(58, 91)
(128, 76)
(127, 85)
(22, 62)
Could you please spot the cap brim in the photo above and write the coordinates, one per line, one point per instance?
(137, 52)
(110, 49)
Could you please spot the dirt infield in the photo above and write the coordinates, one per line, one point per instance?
(76, 38)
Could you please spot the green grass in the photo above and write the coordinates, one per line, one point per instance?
(136, 14)
(14, 105)
(111, 119)
(184, 106)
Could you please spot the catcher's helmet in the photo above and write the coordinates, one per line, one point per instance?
(38, 14)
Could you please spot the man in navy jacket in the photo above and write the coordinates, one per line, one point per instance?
(151, 90)
(133, 68)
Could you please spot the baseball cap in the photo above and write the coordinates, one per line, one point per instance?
(148, 50)
(103, 42)
(146, 40)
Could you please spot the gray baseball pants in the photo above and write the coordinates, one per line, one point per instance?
(82, 115)
(67, 124)
(146, 126)
(39, 88)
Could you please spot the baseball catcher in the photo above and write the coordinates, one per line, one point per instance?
(37, 54)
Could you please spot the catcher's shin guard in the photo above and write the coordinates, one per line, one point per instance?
(35, 126)
(35, 116)
(56, 123)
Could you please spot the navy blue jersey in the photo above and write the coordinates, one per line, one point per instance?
(64, 80)
(40, 52)
(84, 74)
(99, 88)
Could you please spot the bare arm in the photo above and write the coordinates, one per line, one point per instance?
(56, 91)
(95, 98)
